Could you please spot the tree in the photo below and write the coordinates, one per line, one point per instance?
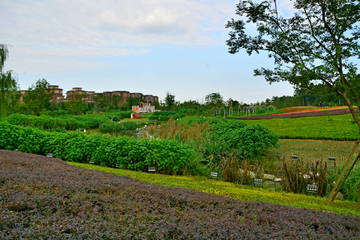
(8, 84)
(4, 54)
(169, 101)
(102, 101)
(8, 87)
(314, 46)
(115, 101)
(131, 101)
(38, 96)
(76, 105)
(214, 100)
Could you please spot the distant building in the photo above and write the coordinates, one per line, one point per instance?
(137, 95)
(58, 93)
(151, 98)
(143, 108)
(78, 93)
(123, 96)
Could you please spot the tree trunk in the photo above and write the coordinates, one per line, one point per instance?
(334, 191)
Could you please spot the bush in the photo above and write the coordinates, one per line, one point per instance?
(351, 186)
(164, 113)
(168, 156)
(123, 128)
(252, 140)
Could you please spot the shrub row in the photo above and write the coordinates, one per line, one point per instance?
(45, 198)
(165, 115)
(71, 122)
(119, 114)
(168, 156)
(123, 127)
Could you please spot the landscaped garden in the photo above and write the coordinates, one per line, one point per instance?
(44, 197)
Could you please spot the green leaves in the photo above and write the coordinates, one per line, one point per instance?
(251, 140)
(168, 156)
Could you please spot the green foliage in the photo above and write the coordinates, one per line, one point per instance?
(350, 188)
(188, 111)
(4, 54)
(214, 100)
(119, 114)
(38, 96)
(68, 122)
(224, 131)
(202, 120)
(123, 128)
(164, 113)
(297, 175)
(8, 87)
(251, 140)
(169, 101)
(168, 156)
(9, 136)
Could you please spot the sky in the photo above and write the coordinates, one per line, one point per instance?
(147, 46)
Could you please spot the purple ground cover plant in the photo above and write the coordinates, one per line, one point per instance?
(46, 198)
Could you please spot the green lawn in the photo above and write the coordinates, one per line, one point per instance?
(313, 150)
(240, 192)
(337, 127)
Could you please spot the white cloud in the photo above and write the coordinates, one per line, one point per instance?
(62, 30)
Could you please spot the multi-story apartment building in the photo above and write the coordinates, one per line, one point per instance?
(88, 96)
(124, 95)
(151, 99)
(58, 93)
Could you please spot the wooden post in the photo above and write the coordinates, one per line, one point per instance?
(332, 194)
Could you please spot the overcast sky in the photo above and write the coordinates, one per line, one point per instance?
(147, 46)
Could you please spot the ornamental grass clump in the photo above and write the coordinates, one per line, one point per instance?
(297, 175)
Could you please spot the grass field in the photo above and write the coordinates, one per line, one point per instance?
(338, 127)
(240, 192)
(313, 150)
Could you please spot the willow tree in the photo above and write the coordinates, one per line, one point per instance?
(317, 44)
(8, 84)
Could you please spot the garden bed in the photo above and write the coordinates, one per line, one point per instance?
(313, 113)
(44, 197)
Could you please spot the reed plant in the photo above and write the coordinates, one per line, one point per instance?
(297, 174)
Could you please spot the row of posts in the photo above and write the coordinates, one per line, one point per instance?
(247, 111)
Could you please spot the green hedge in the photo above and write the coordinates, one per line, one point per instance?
(68, 122)
(168, 156)
(123, 127)
(166, 116)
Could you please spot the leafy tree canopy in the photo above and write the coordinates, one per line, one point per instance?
(38, 96)
(316, 45)
(169, 101)
(214, 100)
(4, 54)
